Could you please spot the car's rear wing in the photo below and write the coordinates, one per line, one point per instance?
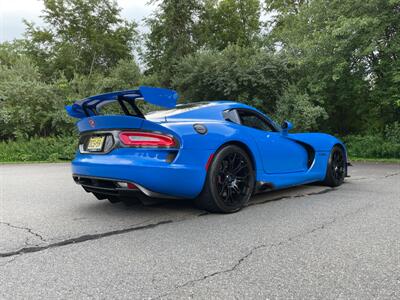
(89, 107)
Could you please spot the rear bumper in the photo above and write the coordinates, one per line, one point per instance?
(183, 178)
(105, 187)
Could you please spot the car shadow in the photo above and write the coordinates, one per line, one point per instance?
(187, 206)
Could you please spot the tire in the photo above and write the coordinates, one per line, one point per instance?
(336, 169)
(229, 183)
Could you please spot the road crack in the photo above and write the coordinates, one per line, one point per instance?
(9, 261)
(324, 191)
(375, 178)
(88, 237)
(254, 249)
(391, 175)
(27, 229)
(81, 239)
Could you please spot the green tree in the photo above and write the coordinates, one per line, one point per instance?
(299, 108)
(125, 75)
(29, 106)
(171, 36)
(285, 6)
(80, 37)
(248, 75)
(228, 22)
(345, 54)
(10, 52)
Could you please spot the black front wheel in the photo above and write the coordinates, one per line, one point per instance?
(229, 183)
(336, 169)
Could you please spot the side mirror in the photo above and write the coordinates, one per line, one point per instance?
(286, 126)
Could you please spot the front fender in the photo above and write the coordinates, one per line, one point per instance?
(321, 142)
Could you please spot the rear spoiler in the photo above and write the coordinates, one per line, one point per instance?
(158, 96)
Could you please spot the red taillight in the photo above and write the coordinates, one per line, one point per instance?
(146, 139)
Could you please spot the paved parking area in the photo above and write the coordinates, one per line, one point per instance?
(56, 241)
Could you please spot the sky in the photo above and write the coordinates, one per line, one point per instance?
(12, 12)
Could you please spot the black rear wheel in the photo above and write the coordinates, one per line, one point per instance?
(229, 183)
(336, 170)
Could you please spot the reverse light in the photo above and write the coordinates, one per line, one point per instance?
(123, 184)
(146, 139)
(127, 185)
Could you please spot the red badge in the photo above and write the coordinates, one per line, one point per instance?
(91, 123)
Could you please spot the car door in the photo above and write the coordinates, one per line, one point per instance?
(279, 153)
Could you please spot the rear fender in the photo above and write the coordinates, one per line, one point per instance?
(218, 134)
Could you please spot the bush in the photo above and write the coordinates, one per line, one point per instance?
(252, 76)
(298, 108)
(39, 149)
(372, 146)
(124, 76)
(29, 106)
(392, 132)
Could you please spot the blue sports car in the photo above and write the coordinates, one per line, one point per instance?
(218, 153)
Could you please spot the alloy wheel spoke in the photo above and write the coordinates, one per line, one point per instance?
(232, 187)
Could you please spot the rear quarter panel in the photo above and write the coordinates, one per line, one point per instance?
(218, 134)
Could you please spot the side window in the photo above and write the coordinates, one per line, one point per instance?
(231, 116)
(252, 119)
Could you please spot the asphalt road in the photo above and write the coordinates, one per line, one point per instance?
(58, 242)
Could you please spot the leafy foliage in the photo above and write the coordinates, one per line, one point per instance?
(371, 146)
(345, 54)
(29, 106)
(180, 28)
(227, 22)
(247, 75)
(80, 37)
(324, 65)
(378, 145)
(392, 133)
(299, 109)
(171, 36)
(39, 149)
